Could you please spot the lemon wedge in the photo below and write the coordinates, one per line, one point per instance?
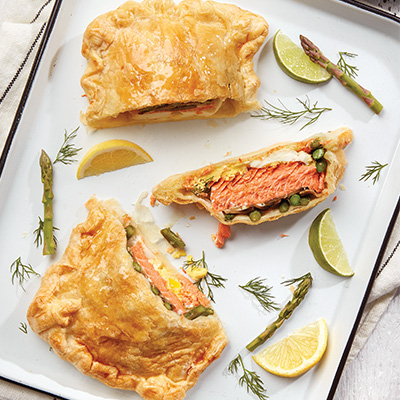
(111, 155)
(327, 246)
(295, 62)
(296, 353)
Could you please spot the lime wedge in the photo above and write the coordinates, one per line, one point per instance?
(326, 245)
(295, 63)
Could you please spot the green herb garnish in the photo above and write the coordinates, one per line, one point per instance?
(299, 280)
(309, 112)
(23, 328)
(251, 379)
(261, 292)
(209, 281)
(68, 150)
(373, 171)
(350, 70)
(38, 232)
(21, 272)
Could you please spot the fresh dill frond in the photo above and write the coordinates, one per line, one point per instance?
(297, 280)
(23, 327)
(209, 281)
(309, 112)
(21, 272)
(373, 171)
(350, 70)
(38, 233)
(249, 378)
(68, 150)
(261, 292)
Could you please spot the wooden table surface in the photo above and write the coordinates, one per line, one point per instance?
(375, 373)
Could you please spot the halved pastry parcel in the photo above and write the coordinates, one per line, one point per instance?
(158, 61)
(117, 309)
(264, 185)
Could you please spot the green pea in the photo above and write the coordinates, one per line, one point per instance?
(304, 201)
(229, 217)
(137, 267)
(315, 144)
(321, 165)
(284, 206)
(255, 216)
(155, 290)
(295, 200)
(130, 231)
(318, 154)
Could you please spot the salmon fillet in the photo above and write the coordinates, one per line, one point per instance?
(262, 185)
(189, 295)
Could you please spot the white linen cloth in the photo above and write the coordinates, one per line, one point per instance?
(22, 23)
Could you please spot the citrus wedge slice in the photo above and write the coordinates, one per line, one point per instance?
(295, 62)
(326, 245)
(111, 155)
(297, 352)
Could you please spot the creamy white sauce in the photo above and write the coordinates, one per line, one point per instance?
(282, 156)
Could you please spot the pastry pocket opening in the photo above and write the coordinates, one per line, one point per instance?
(177, 292)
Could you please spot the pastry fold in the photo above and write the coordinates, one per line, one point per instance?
(158, 61)
(116, 308)
(265, 185)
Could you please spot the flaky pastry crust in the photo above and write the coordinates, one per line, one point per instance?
(178, 188)
(159, 53)
(99, 314)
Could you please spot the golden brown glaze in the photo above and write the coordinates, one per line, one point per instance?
(99, 314)
(156, 52)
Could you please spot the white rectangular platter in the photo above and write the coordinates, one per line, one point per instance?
(275, 251)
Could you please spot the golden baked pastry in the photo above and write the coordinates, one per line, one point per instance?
(158, 61)
(116, 309)
(265, 185)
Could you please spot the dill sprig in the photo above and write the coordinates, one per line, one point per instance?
(311, 113)
(350, 70)
(373, 171)
(21, 272)
(209, 281)
(23, 327)
(68, 150)
(298, 280)
(261, 292)
(38, 233)
(249, 378)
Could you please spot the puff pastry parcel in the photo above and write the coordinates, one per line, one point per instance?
(159, 61)
(117, 310)
(265, 185)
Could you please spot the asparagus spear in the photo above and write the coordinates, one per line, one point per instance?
(47, 200)
(316, 56)
(298, 296)
(198, 311)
